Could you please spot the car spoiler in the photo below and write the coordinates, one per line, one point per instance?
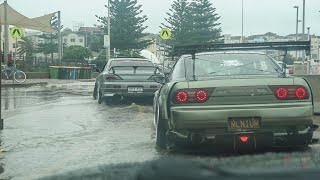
(281, 46)
(286, 46)
(134, 67)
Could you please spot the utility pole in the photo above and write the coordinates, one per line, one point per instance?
(309, 62)
(6, 33)
(304, 19)
(59, 39)
(109, 36)
(297, 27)
(303, 28)
(242, 23)
(0, 41)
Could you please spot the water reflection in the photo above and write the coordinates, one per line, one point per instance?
(14, 98)
(8, 97)
(1, 156)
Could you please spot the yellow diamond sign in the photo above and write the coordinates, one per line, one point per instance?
(165, 33)
(16, 32)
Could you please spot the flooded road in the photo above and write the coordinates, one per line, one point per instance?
(57, 128)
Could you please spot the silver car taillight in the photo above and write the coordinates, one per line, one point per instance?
(112, 77)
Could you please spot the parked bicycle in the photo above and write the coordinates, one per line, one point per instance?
(18, 75)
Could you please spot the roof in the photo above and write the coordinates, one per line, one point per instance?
(90, 29)
(78, 34)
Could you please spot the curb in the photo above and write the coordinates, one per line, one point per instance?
(24, 84)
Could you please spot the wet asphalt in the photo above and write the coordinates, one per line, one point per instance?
(56, 128)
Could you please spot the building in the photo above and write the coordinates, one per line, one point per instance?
(228, 39)
(90, 33)
(271, 37)
(74, 39)
(91, 30)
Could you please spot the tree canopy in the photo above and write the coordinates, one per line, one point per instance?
(127, 25)
(76, 53)
(193, 23)
(27, 47)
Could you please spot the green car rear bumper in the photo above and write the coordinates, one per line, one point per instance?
(282, 124)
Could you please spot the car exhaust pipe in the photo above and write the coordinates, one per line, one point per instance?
(197, 138)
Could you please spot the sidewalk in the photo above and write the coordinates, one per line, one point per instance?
(33, 82)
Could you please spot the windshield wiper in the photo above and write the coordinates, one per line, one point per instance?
(280, 72)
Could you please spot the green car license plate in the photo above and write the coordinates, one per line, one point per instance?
(244, 123)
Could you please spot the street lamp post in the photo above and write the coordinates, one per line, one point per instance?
(304, 19)
(297, 22)
(297, 27)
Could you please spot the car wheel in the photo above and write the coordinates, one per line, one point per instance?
(161, 130)
(99, 97)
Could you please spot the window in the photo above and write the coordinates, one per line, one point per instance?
(72, 40)
(65, 40)
(179, 70)
(81, 40)
(14, 45)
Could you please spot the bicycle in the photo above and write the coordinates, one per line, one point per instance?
(18, 75)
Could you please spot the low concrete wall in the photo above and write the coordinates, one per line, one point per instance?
(314, 81)
(38, 75)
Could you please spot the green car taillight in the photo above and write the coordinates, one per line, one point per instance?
(190, 96)
(290, 92)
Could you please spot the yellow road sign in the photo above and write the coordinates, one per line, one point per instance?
(165, 33)
(16, 32)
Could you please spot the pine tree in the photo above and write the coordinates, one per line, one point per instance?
(179, 22)
(127, 29)
(205, 22)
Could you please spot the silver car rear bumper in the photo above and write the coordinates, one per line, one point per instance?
(110, 89)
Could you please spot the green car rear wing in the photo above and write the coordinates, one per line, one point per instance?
(281, 46)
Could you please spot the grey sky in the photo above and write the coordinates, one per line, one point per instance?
(260, 15)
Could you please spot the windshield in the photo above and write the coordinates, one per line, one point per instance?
(231, 64)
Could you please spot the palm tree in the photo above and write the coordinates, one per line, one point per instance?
(26, 47)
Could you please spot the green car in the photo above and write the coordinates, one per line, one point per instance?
(232, 100)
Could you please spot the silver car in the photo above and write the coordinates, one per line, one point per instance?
(128, 80)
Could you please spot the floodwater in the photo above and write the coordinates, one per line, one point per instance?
(58, 128)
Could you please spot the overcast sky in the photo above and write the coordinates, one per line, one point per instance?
(261, 16)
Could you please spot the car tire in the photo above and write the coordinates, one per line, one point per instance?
(100, 98)
(161, 131)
